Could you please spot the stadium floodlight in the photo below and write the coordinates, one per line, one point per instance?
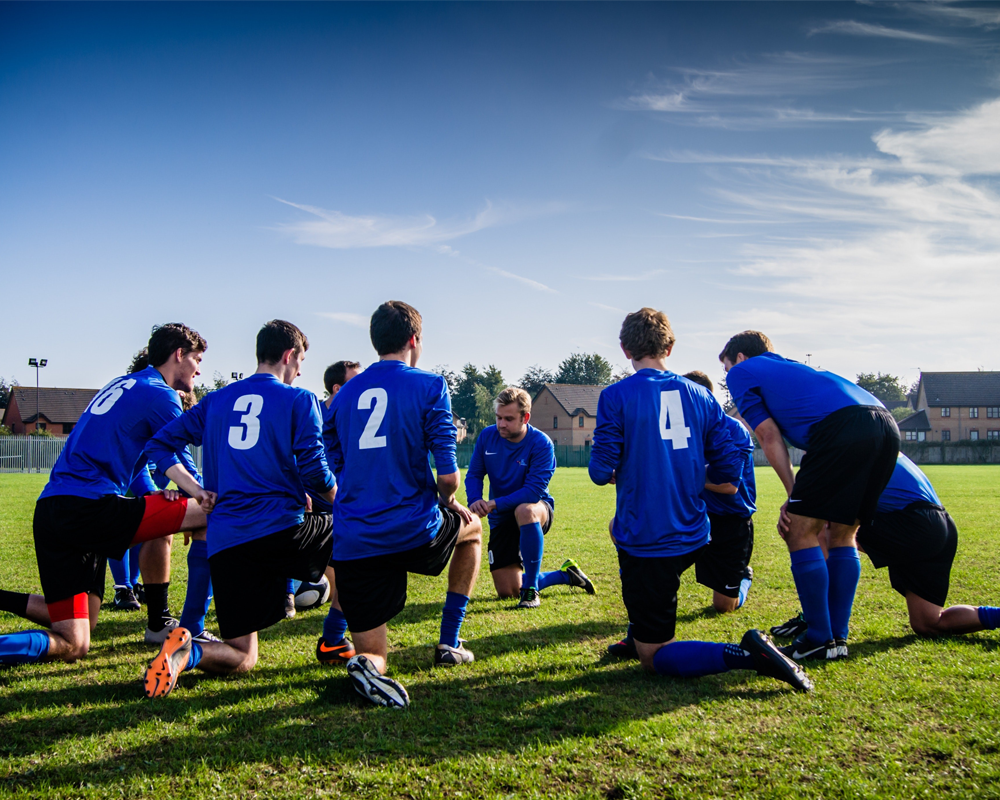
(237, 376)
(37, 363)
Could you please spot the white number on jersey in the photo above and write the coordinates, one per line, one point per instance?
(672, 414)
(105, 400)
(245, 435)
(381, 401)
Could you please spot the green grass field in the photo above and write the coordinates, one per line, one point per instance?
(542, 712)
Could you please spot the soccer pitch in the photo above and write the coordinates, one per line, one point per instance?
(543, 711)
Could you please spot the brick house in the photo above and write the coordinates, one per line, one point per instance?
(58, 409)
(957, 405)
(566, 413)
(915, 428)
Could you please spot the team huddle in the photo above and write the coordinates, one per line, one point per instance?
(339, 498)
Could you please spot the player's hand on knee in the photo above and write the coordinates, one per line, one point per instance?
(479, 508)
(784, 521)
(206, 500)
(466, 515)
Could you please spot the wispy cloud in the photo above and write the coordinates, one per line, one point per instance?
(531, 282)
(359, 320)
(854, 28)
(645, 276)
(603, 307)
(966, 16)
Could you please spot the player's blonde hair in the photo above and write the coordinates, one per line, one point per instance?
(514, 394)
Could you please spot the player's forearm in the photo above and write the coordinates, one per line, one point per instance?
(185, 480)
(721, 488)
(773, 445)
(447, 485)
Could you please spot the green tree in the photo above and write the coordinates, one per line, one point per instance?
(887, 388)
(5, 431)
(5, 390)
(535, 378)
(588, 369)
(218, 381)
(473, 396)
(901, 413)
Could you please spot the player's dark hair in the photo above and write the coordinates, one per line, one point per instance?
(277, 337)
(647, 333)
(393, 324)
(336, 374)
(139, 361)
(167, 339)
(750, 343)
(699, 377)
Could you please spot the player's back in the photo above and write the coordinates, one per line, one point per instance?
(794, 395)
(744, 502)
(104, 450)
(260, 437)
(385, 423)
(907, 485)
(657, 431)
(321, 505)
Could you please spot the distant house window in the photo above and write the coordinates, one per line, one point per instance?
(946, 412)
(67, 427)
(555, 422)
(921, 436)
(914, 436)
(993, 434)
(946, 436)
(993, 412)
(974, 435)
(40, 426)
(580, 423)
(974, 412)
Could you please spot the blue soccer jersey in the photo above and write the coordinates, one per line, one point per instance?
(655, 432)
(794, 395)
(744, 502)
(104, 452)
(519, 473)
(906, 486)
(321, 505)
(386, 423)
(263, 447)
(146, 481)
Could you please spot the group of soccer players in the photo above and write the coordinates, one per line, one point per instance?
(343, 492)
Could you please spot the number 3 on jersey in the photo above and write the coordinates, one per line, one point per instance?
(380, 399)
(672, 414)
(245, 435)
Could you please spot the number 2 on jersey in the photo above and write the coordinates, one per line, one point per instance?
(380, 399)
(672, 414)
(245, 435)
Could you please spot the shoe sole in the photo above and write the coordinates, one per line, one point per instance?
(773, 663)
(164, 670)
(159, 637)
(373, 687)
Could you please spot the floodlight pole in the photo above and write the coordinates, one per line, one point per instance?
(37, 363)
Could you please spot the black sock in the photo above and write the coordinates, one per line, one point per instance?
(156, 605)
(14, 602)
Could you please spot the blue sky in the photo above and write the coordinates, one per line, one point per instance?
(523, 174)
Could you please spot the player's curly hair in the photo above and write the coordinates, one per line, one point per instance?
(139, 361)
(514, 394)
(165, 340)
(393, 324)
(750, 343)
(277, 337)
(647, 333)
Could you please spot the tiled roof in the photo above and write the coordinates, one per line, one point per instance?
(573, 397)
(961, 388)
(55, 405)
(915, 422)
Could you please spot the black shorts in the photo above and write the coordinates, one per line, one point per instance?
(504, 548)
(372, 590)
(918, 545)
(722, 562)
(250, 580)
(75, 536)
(649, 589)
(851, 456)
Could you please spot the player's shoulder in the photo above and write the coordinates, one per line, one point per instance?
(537, 438)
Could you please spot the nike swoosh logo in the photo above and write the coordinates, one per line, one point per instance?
(324, 649)
(793, 501)
(737, 586)
(489, 453)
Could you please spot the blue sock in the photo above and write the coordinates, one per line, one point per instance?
(133, 564)
(690, 659)
(989, 616)
(555, 578)
(452, 617)
(293, 585)
(196, 654)
(26, 647)
(812, 582)
(844, 567)
(119, 570)
(532, 543)
(744, 591)
(199, 588)
(334, 626)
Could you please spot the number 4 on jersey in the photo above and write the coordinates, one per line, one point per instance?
(672, 415)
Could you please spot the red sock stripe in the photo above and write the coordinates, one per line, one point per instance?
(75, 607)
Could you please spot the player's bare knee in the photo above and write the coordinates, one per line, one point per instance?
(248, 663)
(724, 605)
(528, 513)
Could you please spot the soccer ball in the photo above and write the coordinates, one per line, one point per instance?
(312, 595)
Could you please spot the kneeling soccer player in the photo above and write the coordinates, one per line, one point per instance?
(916, 539)
(655, 433)
(263, 447)
(391, 516)
(82, 516)
(519, 461)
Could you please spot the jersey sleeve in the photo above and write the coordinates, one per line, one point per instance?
(310, 454)
(439, 430)
(746, 393)
(541, 468)
(724, 458)
(166, 446)
(606, 453)
(143, 483)
(475, 473)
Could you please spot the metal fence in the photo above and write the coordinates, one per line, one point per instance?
(29, 453)
(566, 455)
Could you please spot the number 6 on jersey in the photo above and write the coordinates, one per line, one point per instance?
(672, 413)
